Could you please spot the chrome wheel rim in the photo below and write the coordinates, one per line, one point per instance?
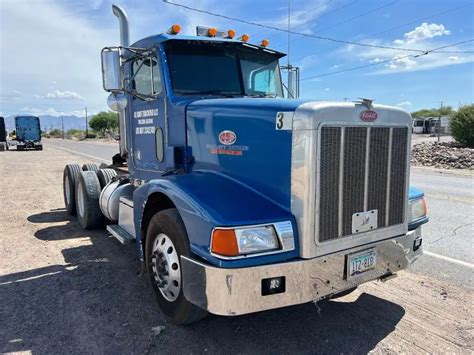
(80, 200)
(165, 267)
(67, 188)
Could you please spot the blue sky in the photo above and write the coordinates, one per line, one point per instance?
(50, 49)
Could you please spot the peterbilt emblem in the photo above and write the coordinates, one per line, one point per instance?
(368, 116)
(227, 137)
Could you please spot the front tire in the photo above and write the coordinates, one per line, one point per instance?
(166, 242)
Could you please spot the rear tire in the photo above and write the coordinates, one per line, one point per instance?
(87, 190)
(3, 146)
(105, 176)
(69, 187)
(90, 167)
(166, 241)
(39, 147)
(19, 147)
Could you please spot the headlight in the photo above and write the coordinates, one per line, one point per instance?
(417, 208)
(241, 241)
(254, 240)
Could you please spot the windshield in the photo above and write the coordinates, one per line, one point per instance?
(228, 70)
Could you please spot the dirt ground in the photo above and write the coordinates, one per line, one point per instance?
(64, 290)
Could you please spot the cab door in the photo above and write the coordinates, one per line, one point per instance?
(147, 115)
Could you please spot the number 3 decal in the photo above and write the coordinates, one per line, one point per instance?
(284, 121)
(280, 120)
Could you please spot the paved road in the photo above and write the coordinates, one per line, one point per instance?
(102, 152)
(449, 234)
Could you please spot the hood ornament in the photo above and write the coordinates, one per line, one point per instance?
(366, 102)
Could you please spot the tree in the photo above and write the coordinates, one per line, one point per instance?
(103, 122)
(462, 125)
(433, 112)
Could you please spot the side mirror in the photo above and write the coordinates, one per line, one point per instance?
(111, 70)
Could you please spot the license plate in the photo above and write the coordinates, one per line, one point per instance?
(360, 262)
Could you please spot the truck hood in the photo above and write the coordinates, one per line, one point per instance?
(238, 138)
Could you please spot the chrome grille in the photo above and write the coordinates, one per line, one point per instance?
(361, 169)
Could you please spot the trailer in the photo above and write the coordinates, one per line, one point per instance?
(237, 199)
(3, 135)
(28, 133)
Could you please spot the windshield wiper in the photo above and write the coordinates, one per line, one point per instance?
(208, 92)
(262, 95)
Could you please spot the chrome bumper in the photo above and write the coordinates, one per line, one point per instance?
(239, 291)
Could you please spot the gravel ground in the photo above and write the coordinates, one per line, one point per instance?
(64, 290)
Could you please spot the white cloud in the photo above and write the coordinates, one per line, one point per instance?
(327, 89)
(453, 58)
(376, 60)
(307, 62)
(405, 104)
(61, 95)
(422, 32)
(9, 95)
(400, 61)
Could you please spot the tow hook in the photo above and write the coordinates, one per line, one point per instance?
(387, 277)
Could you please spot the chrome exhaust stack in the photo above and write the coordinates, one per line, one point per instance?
(124, 42)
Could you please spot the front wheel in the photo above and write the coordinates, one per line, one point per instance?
(166, 242)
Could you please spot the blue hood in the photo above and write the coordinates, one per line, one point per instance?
(260, 157)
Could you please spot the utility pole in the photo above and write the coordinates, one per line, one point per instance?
(62, 125)
(439, 121)
(87, 125)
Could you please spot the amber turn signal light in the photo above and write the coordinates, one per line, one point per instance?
(224, 242)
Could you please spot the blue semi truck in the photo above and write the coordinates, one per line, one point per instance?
(237, 199)
(28, 133)
(3, 135)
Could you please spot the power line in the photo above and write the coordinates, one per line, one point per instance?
(320, 17)
(398, 27)
(301, 14)
(291, 31)
(352, 18)
(386, 61)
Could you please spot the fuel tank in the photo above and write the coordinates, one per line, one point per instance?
(110, 197)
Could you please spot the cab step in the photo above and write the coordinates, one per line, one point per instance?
(121, 234)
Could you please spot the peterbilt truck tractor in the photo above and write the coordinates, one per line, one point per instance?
(237, 199)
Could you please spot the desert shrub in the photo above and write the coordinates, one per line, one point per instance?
(462, 125)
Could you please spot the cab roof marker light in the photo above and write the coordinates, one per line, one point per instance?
(230, 34)
(265, 43)
(212, 32)
(244, 38)
(174, 30)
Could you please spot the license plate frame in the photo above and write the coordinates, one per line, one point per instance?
(361, 262)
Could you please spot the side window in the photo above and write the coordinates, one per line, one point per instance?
(264, 80)
(147, 76)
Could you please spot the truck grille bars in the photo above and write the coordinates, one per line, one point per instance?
(361, 169)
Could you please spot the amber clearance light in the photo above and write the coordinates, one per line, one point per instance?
(265, 43)
(212, 32)
(175, 29)
(231, 34)
(245, 38)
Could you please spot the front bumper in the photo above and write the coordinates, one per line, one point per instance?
(239, 291)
